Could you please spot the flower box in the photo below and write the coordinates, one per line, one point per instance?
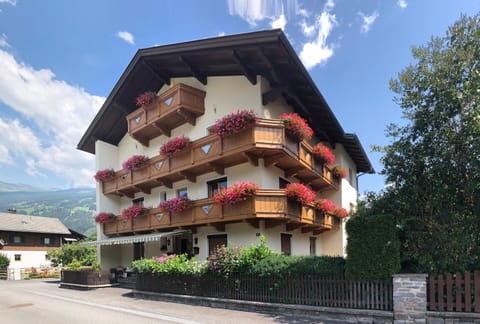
(175, 205)
(236, 193)
(174, 146)
(87, 277)
(234, 123)
(104, 175)
(300, 193)
(135, 162)
(339, 172)
(103, 218)
(296, 126)
(133, 212)
(323, 154)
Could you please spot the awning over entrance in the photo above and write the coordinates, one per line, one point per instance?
(132, 239)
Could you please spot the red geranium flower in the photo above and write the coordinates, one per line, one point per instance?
(325, 206)
(238, 192)
(341, 212)
(105, 174)
(339, 172)
(133, 212)
(145, 99)
(103, 217)
(300, 193)
(135, 162)
(297, 126)
(174, 146)
(175, 205)
(323, 154)
(234, 123)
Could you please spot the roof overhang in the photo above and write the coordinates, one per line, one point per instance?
(132, 239)
(265, 53)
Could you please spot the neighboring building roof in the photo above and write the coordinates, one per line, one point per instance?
(265, 53)
(32, 224)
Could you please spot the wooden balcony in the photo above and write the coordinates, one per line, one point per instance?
(176, 106)
(271, 205)
(267, 140)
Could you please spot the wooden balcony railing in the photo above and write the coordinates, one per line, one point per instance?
(271, 205)
(267, 140)
(174, 107)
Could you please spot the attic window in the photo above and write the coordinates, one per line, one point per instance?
(17, 239)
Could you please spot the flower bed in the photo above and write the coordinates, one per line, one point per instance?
(135, 162)
(300, 193)
(296, 126)
(175, 205)
(133, 212)
(174, 146)
(234, 123)
(325, 206)
(145, 99)
(105, 174)
(86, 277)
(339, 172)
(236, 193)
(323, 154)
(103, 218)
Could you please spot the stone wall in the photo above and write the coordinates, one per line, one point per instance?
(410, 298)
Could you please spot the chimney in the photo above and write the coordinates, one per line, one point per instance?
(12, 210)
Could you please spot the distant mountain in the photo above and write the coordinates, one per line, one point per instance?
(14, 187)
(74, 207)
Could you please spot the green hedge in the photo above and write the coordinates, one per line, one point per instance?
(4, 261)
(281, 265)
(373, 249)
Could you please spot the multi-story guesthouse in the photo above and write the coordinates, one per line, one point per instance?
(219, 141)
(26, 240)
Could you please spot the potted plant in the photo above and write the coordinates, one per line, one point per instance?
(296, 126)
(234, 123)
(236, 193)
(104, 175)
(174, 145)
(339, 172)
(323, 154)
(145, 99)
(135, 162)
(300, 193)
(133, 212)
(341, 212)
(175, 205)
(103, 218)
(325, 206)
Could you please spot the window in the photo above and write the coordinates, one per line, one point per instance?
(215, 241)
(286, 243)
(215, 185)
(18, 257)
(163, 196)
(138, 250)
(138, 201)
(16, 239)
(350, 177)
(47, 241)
(313, 246)
(282, 183)
(182, 193)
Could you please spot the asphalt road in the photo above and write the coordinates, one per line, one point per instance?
(42, 301)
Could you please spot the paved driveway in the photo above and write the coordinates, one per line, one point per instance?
(42, 301)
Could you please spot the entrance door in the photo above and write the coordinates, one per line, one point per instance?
(215, 241)
(286, 242)
(138, 250)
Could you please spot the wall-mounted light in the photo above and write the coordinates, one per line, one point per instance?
(196, 250)
(168, 242)
(195, 240)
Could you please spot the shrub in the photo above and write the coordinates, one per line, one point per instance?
(282, 265)
(105, 174)
(135, 162)
(300, 193)
(133, 212)
(174, 145)
(171, 264)
(103, 217)
(296, 126)
(236, 193)
(4, 261)
(234, 123)
(145, 99)
(323, 154)
(175, 205)
(86, 255)
(373, 249)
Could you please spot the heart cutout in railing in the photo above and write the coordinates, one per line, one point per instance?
(206, 148)
(168, 101)
(158, 165)
(138, 119)
(159, 216)
(206, 209)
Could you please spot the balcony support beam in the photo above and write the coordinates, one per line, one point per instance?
(272, 95)
(273, 223)
(292, 226)
(188, 116)
(193, 70)
(145, 190)
(220, 169)
(189, 176)
(254, 222)
(307, 229)
(272, 159)
(246, 71)
(251, 158)
(140, 140)
(220, 227)
(126, 193)
(318, 231)
(293, 171)
(162, 129)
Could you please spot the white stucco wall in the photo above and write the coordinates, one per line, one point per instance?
(29, 259)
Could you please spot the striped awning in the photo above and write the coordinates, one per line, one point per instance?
(133, 238)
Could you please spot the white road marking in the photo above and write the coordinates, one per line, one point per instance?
(119, 309)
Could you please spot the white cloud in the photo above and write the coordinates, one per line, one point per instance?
(317, 51)
(402, 4)
(253, 11)
(59, 110)
(368, 20)
(221, 34)
(11, 2)
(280, 22)
(3, 40)
(126, 36)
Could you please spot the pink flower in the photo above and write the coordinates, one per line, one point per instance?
(297, 126)
(300, 193)
(238, 192)
(174, 146)
(135, 162)
(341, 212)
(103, 217)
(175, 205)
(325, 206)
(105, 174)
(145, 99)
(234, 123)
(323, 154)
(133, 212)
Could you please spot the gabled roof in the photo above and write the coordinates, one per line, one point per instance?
(265, 53)
(33, 224)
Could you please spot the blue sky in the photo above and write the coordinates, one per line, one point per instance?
(60, 59)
